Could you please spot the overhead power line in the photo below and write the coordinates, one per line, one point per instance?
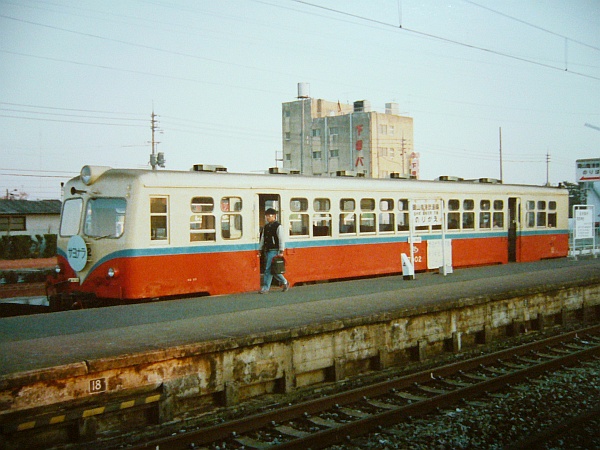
(443, 39)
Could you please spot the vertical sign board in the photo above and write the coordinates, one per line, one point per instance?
(584, 222)
(430, 212)
(584, 228)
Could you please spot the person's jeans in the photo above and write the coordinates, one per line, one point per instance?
(268, 277)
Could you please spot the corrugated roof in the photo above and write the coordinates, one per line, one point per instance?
(14, 207)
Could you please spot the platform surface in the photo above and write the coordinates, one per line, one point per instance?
(45, 341)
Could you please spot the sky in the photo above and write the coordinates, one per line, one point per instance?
(79, 80)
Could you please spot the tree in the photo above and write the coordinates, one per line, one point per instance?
(577, 195)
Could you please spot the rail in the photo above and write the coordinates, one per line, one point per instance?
(326, 421)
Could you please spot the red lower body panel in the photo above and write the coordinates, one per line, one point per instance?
(147, 277)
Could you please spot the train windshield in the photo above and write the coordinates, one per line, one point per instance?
(105, 217)
(71, 217)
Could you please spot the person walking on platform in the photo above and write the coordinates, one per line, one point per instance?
(272, 242)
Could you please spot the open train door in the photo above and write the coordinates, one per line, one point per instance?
(266, 201)
(514, 219)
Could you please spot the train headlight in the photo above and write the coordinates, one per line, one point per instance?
(57, 269)
(112, 272)
(89, 174)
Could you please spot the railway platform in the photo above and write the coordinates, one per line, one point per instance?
(78, 370)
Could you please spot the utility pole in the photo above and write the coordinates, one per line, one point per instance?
(548, 168)
(156, 159)
(500, 136)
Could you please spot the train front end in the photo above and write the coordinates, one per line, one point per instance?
(90, 237)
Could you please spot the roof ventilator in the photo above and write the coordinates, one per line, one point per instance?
(349, 173)
(449, 178)
(208, 168)
(402, 176)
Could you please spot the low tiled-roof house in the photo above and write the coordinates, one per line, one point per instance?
(29, 217)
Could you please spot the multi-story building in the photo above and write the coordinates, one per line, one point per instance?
(324, 138)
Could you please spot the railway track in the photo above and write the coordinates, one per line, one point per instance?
(338, 418)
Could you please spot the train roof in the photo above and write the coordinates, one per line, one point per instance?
(192, 178)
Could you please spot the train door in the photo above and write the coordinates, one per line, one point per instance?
(514, 219)
(266, 201)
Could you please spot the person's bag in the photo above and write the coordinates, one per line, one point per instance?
(277, 265)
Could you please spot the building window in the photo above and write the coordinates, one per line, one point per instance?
(334, 153)
(287, 136)
(316, 155)
(12, 223)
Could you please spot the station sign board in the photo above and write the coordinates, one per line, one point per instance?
(584, 222)
(427, 212)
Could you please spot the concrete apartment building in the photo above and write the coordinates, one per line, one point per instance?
(324, 138)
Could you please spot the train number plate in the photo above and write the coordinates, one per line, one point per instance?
(97, 385)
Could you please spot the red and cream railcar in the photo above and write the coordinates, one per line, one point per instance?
(141, 234)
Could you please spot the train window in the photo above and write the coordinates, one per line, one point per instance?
(453, 221)
(530, 218)
(231, 204)
(386, 219)
(322, 204)
(231, 226)
(468, 221)
(498, 219)
(298, 224)
(158, 219)
(321, 224)
(485, 205)
(541, 218)
(484, 220)
(468, 205)
(299, 204)
(202, 224)
(386, 204)
(347, 204)
(403, 216)
(347, 223)
(552, 217)
(367, 204)
(530, 205)
(202, 204)
(453, 205)
(71, 217)
(105, 217)
(367, 223)
(541, 205)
